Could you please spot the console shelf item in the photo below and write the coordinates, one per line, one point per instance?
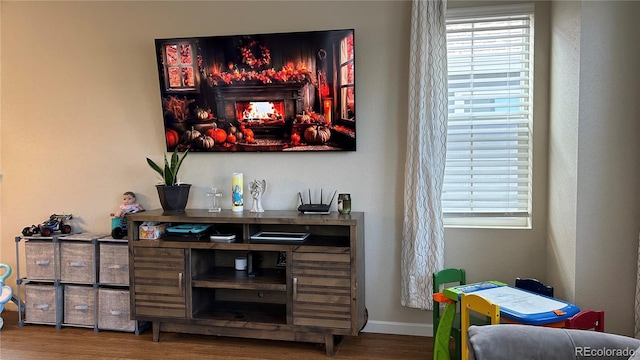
(304, 276)
(274, 236)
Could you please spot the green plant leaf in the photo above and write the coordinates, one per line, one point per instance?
(170, 172)
(155, 167)
(179, 162)
(168, 176)
(174, 159)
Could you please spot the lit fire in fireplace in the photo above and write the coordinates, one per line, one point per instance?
(263, 110)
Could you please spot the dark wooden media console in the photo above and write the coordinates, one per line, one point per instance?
(309, 291)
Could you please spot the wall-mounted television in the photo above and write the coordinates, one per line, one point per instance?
(264, 92)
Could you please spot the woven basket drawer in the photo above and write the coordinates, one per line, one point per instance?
(114, 264)
(40, 304)
(79, 305)
(39, 255)
(77, 262)
(113, 310)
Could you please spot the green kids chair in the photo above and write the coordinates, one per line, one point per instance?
(440, 279)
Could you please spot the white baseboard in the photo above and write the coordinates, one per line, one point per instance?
(397, 328)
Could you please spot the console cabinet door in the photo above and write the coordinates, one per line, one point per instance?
(159, 283)
(322, 289)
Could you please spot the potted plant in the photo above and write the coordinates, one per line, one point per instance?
(173, 195)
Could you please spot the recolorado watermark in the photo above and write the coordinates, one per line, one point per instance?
(586, 351)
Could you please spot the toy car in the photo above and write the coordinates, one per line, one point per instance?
(56, 222)
(120, 225)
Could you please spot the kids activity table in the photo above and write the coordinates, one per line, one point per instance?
(518, 305)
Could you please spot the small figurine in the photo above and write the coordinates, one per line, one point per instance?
(257, 188)
(129, 205)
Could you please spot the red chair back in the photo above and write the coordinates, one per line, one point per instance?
(586, 320)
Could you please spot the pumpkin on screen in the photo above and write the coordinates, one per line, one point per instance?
(220, 136)
(211, 132)
(172, 138)
(205, 142)
(317, 134)
(295, 138)
(247, 132)
(202, 114)
(190, 135)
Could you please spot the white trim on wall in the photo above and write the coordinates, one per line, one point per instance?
(398, 328)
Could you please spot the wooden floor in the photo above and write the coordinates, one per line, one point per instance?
(36, 342)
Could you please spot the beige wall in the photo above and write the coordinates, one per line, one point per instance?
(595, 129)
(563, 147)
(81, 110)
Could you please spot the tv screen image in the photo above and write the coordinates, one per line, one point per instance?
(264, 92)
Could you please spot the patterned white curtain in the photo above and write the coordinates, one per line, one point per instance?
(423, 231)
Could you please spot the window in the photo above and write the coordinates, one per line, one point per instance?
(490, 65)
(347, 81)
(179, 66)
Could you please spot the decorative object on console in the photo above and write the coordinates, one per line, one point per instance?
(214, 194)
(172, 194)
(344, 203)
(257, 188)
(262, 92)
(237, 192)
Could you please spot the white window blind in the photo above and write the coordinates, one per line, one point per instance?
(488, 168)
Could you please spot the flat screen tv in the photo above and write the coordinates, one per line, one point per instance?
(265, 92)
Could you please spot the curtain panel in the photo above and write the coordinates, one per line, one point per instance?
(423, 229)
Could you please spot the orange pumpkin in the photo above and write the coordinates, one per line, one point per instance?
(247, 132)
(231, 139)
(211, 132)
(220, 136)
(172, 138)
(295, 138)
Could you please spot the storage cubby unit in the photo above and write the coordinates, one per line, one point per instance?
(308, 289)
(79, 280)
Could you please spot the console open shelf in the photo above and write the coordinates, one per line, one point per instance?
(230, 278)
(246, 312)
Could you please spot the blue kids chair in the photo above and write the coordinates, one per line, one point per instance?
(6, 292)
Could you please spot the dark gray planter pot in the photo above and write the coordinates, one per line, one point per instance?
(173, 198)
